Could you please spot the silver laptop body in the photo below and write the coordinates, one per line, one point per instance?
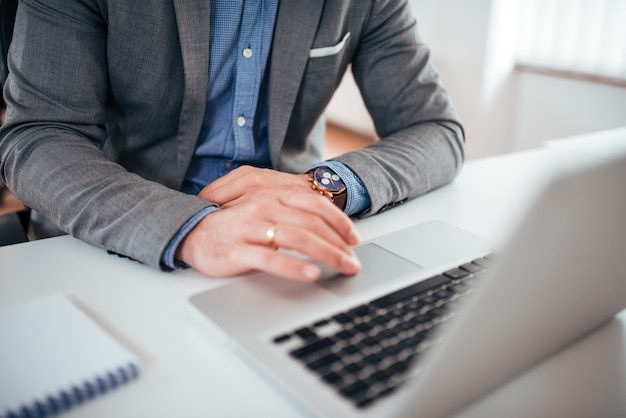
(559, 277)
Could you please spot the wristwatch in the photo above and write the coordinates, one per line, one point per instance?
(328, 183)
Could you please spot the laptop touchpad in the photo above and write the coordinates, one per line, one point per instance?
(379, 266)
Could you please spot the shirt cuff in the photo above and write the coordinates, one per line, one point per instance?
(358, 197)
(167, 259)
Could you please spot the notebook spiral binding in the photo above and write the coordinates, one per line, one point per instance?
(77, 394)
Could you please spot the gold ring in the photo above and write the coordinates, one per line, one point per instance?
(270, 234)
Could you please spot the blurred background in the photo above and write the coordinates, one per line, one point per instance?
(519, 71)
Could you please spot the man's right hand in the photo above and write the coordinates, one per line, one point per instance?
(244, 238)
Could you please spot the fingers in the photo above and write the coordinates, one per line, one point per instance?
(318, 216)
(241, 181)
(312, 245)
(321, 208)
(262, 255)
(302, 220)
(281, 265)
(225, 189)
(243, 238)
(311, 225)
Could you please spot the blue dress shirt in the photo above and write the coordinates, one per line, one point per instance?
(234, 130)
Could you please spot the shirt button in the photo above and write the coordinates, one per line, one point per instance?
(228, 165)
(241, 121)
(247, 53)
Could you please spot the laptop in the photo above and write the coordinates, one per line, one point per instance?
(438, 317)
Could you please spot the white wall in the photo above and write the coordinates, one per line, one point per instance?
(550, 107)
(472, 67)
(472, 45)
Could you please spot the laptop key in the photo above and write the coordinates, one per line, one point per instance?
(471, 267)
(395, 313)
(372, 359)
(323, 362)
(314, 347)
(350, 350)
(415, 305)
(387, 391)
(332, 378)
(368, 342)
(342, 318)
(409, 291)
(344, 335)
(360, 311)
(379, 320)
(429, 299)
(366, 401)
(399, 367)
(484, 262)
(445, 293)
(321, 323)
(363, 327)
(352, 368)
(456, 274)
(281, 338)
(354, 389)
(460, 288)
(380, 375)
(306, 333)
(492, 257)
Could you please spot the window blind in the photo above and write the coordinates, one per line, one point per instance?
(581, 36)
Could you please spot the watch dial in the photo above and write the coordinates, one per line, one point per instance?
(329, 180)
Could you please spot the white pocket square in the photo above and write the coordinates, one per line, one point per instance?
(330, 50)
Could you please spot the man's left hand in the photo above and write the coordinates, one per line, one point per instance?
(246, 182)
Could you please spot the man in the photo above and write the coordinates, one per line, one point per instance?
(120, 111)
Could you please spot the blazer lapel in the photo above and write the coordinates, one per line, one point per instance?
(192, 18)
(296, 25)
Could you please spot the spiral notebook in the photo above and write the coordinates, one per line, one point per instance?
(54, 357)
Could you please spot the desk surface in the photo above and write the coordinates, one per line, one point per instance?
(608, 145)
(185, 372)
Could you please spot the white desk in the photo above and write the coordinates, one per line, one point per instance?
(186, 373)
(608, 145)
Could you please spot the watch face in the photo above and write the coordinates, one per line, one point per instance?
(327, 178)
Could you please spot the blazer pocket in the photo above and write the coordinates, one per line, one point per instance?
(330, 50)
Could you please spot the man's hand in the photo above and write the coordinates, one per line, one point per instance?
(263, 210)
(246, 183)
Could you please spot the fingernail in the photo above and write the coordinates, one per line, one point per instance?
(311, 272)
(354, 237)
(351, 263)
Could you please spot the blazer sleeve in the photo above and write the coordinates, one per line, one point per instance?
(421, 143)
(51, 146)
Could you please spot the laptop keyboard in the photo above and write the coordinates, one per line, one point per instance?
(364, 353)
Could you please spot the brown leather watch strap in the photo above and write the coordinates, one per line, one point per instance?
(339, 199)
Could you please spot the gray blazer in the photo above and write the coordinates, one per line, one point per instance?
(106, 100)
